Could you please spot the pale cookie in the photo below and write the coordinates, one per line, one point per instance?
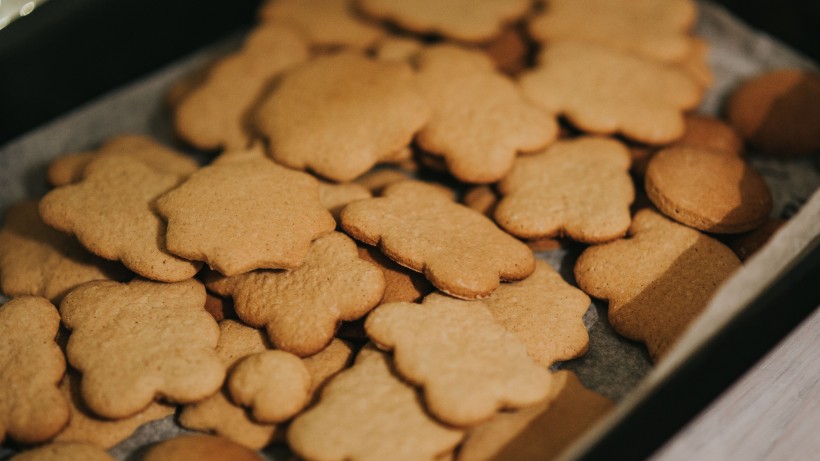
(217, 414)
(324, 365)
(69, 168)
(540, 432)
(274, 385)
(257, 215)
(368, 413)
(777, 111)
(215, 114)
(657, 280)
(340, 114)
(32, 409)
(325, 23)
(301, 308)
(463, 20)
(696, 63)
(199, 447)
(335, 197)
(467, 364)
(649, 28)
(401, 283)
(137, 342)
(110, 211)
(480, 119)
(86, 427)
(706, 190)
(545, 312)
(578, 188)
(458, 250)
(36, 260)
(64, 451)
(604, 91)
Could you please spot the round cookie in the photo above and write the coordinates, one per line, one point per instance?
(777, 112)
(706, 190)
(200, 448)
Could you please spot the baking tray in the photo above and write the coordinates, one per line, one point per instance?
(89, 89)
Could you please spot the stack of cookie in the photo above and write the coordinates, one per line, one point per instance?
(353, 273)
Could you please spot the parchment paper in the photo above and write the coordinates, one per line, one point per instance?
(614, 366)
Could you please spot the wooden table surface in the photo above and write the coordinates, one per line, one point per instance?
(771, 413)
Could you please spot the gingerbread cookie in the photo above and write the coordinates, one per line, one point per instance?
(540, 432)
(324, 365)
(747, 244)
(340, 114)
(418, 227)
(110, 211)
(199, 448)
(493, 368)
(69, 168)
(706, 190)
(473, 21)
(368, 413)
(777, 111)
(545, 312)
(480, 119)
(136, 342)
(400, 283)
(651, 29)
(215, 114)
(334, 197)
(510, 51)
(710, 133)
(657, 280)
(377, 179)
(32, 409)
(217, 413)
(36, 260)
(605, 91)
(274, 385)
(301, 308)
(257, 214)
(86, 427)
(325, 23)
(482, 199)
(579, 188)
(64, 451)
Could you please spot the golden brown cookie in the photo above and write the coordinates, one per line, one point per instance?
(480, 119)
(463, 20)
(334, 197)
(64, 451)
(199, 447)
(137, 342)
(368, 413)
(274, 385)
(467, 365)
(510, 51)
(377, 179)
(705, 132)
(217, 414)
(257, 215)
(748, 243)
(657, 280)
(604, 91)
(578, 188)
(110, 211)
(652, 29)
(396, 48)
(696, 63)
(325, 23)
(215, 114)
(540, 432)
(482, 199)
(545, 312)
(340, 114)
(32, 409)
(400, 283)
(301, 308)
(86, 427)
(460, 251)
(69, 168)
(706, 190)
(324, 365)
(220, 308)
(36, 260)
(776, 112)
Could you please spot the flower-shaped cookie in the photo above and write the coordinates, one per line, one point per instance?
(137, 342)
(578, 188)
(257, 215)
(480, 118)
(604, 91)
(325, 23)
(460, 251)
(340, 114)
